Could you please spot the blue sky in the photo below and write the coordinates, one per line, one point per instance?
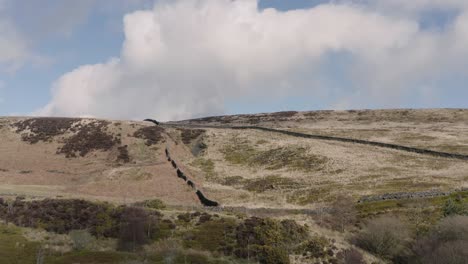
(90, 32)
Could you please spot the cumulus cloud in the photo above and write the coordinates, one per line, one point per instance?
(186, 58)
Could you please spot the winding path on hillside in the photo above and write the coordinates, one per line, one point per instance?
(421, 151)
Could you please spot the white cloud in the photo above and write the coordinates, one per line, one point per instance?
(13, 48)
(185, 58)
(2, 85)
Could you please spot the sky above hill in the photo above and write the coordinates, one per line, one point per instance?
(170, 59)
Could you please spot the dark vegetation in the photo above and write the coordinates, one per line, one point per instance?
(350, 256)
(384, 236)
(62, 216)
(44, 129)
(188, 135)
(446, 243)
(271, 182)
(152, 134)
(255, 239)
(392, 239)
(90, 137)
(251, 119)
(151, 204)
(430, 230)
(267, 183)
(85, 138)
(123, 154)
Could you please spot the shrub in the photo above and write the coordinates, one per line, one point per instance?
(90, 137)
(267, 240)
(272, 255)
(123, 154)
(384, 236)
(81, 239)
(44, 129)
(62, 216)
(134, 229)
(152, 134)
(188, 135)
(215, 235)
(153, 204)
(454, 207)
(446, 243)
(343, 213)
(350, 256)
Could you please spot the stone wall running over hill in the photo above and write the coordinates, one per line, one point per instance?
(407, 195)
(203, 200)
(340, 139)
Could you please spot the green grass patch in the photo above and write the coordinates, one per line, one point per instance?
(272, 182)
(14, 248)
(406, 184)
(207, 166)
(92, 257)
(215, 236)
(433, 207)
(240, 152)
(308, 196)
(233, 181)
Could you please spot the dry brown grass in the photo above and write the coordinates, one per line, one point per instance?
(246, 167)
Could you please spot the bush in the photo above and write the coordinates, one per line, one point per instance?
(446, 243)
(81, 239)
(152, 134)
(135, 229)
(153, 204)
(272, 255)
(454, 207)
(266, 239)
(343, 213)
(316, 247)
(350, 256)
(384, 236)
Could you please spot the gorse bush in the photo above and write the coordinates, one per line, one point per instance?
(63, 216)
(454, 207)
(267, 240)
